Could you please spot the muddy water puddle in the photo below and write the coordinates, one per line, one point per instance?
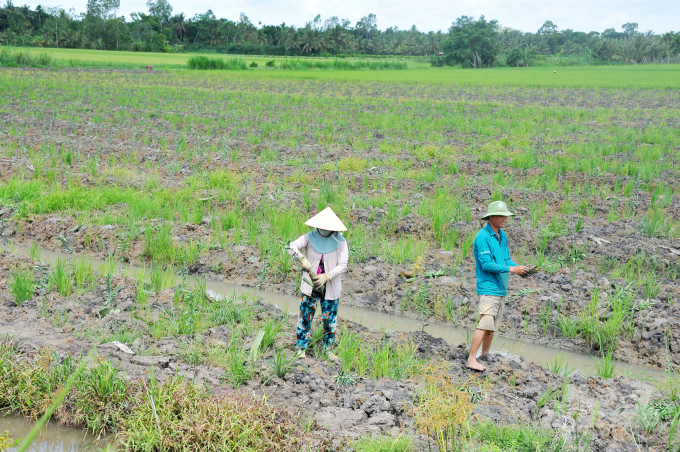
(541, 354)
(52, 437)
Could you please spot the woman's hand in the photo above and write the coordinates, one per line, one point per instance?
(320, 280)
(304, 263)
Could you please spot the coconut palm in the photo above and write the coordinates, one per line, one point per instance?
(289, 39)
(642, 47)
(15, 18)
(433, 43)
(311, 40)
(214, 37)
(398, 43)
(180, 26)
(68, 38)
(338, 37)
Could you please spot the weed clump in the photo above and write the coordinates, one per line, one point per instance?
(204, 63)
(444, 407)
(302, 64)
(18, 58)
(160, 248)
(380, 360)
(190, 419)
(104, 402)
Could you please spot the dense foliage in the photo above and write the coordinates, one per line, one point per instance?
(629, 46)
(159, 30)
(472, 43)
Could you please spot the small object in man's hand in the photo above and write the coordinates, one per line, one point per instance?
(531, 269)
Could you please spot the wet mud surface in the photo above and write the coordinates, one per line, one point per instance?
(508, 392)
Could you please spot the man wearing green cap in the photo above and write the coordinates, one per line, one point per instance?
(492, 268)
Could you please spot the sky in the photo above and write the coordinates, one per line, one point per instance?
(429, 15)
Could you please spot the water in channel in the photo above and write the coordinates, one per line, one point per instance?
(52, 438)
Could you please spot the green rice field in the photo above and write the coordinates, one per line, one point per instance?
(205, 175)
(628, 76)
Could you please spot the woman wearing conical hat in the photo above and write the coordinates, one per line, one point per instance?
(325, 258)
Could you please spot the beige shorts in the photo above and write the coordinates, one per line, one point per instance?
(490, 312)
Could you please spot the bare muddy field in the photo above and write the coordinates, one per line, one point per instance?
(194, 177)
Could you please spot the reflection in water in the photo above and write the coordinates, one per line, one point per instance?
(52, 438)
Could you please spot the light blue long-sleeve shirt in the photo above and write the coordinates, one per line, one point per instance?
(492, 262)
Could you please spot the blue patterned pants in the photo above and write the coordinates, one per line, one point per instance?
(329, 317)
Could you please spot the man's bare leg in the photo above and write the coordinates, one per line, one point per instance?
(478, 337)
(486, 342)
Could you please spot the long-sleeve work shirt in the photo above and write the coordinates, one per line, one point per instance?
(492, 262)
(335, 264)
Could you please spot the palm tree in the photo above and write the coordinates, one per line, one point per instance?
(15, 19)
(68, 38)
(180, 26)
(252, 36)
(366, 45)
(399, 39)
(339, 38)
(642, 47)
(289, 39)
(606, 49)
(214, 37)
(311, 40)
(433, 41)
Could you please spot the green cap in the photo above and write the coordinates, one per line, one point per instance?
(497, 208)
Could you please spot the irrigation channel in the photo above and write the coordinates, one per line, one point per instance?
(379, 320)
(52, 438)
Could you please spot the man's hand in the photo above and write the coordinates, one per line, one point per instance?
(518, 270)
(531, 270)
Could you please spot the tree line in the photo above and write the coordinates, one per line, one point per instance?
(469, 42)
(481, 43)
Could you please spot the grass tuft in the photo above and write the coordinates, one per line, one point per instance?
(22, 285)
(383, 444)
(496, 437)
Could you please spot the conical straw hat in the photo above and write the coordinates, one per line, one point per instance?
(326, 219)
